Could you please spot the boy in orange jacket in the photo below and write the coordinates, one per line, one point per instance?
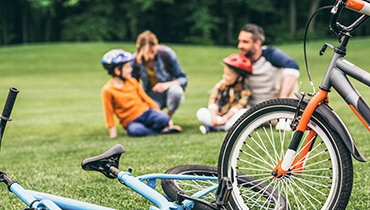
(124, 97)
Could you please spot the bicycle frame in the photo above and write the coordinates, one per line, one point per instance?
(147, 190)
(40, 200)
(336, 77)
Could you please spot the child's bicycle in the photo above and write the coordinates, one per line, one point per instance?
(187, 187)
(310, 164)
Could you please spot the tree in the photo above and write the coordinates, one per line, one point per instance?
(202, 21)
(314, 5)
(192, 21)
(293, 18)
(8, 21)
(231, 10)
(44, 11)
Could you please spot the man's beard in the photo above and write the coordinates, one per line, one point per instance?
(250, 53)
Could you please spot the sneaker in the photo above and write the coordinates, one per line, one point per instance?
(203, 129)
(171, 129)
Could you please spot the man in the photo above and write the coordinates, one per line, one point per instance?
(274, 73)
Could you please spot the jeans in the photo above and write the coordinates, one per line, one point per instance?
(151, 122)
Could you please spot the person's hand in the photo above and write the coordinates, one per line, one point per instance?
(113, 132)
(213, 118)
(161, 87)
(222, 120)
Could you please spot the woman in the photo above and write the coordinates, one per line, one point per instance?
(159, 70)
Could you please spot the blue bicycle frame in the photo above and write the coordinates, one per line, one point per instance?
(39, 200)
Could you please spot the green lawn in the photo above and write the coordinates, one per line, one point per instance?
(58, 120)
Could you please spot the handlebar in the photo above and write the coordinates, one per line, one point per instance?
(359, 6)
(7, 110)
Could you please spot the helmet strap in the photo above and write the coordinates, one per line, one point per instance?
(120, 74)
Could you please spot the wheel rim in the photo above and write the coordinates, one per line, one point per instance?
(257, 151)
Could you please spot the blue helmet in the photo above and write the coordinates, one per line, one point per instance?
(115, 57)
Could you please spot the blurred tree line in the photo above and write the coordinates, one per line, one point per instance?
(175, 21)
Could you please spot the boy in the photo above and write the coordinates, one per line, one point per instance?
(123, 96)
(229, 96)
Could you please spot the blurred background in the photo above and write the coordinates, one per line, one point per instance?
(206, 22)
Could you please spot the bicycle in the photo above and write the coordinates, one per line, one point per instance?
(310, 164)
(188, 187)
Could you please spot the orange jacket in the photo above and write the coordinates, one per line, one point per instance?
(127, 103)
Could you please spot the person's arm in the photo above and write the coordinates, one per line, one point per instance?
(213, 106)
(163, 86)
(287, 85)
(178, 73)
(108, 113)
(113, 132)
(290, 70)
(227, 116)
(213, 109)
(238, 104)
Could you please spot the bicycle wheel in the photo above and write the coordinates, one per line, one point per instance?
(267, 196)
(253, 147)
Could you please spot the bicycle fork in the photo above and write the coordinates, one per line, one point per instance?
(289, 164)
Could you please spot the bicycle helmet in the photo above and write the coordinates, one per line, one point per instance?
(115, 57)
(239, 63)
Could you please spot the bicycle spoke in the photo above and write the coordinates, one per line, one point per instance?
(264, 149)
(262, 160)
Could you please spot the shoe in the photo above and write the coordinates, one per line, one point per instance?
(203, 129)
(171, 129)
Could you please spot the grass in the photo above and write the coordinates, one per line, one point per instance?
(58, 120)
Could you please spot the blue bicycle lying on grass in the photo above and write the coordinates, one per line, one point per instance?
(186, 187)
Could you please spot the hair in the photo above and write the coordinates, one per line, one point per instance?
(145, 42)
(257, 31)
(110, 67)
(240, 72)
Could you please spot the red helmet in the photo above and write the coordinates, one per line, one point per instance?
(240, 63)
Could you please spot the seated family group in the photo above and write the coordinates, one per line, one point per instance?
(255, 74)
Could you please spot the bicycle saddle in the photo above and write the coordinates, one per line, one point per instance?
(103, 162)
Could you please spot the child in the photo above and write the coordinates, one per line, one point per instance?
(123, 96)
(229, 97)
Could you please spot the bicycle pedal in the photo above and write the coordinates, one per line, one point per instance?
(223, 191)
(181, 196)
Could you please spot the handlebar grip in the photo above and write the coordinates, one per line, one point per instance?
(359, 6)
(7, 110)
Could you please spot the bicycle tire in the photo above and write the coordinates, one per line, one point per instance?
(254, 146)
(171, 187)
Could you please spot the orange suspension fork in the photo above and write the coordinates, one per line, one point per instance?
(289, 158)
(299, 162)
